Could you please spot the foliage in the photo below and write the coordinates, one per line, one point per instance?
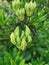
(37, 53)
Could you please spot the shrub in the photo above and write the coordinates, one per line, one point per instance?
(28, 23)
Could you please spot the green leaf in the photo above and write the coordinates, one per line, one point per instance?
(12, 62)
(27, 56)
(1, 61)
(22, 62)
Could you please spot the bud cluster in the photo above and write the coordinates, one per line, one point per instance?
(23, 40)
(20, 11)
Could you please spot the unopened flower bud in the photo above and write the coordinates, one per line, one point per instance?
(16, 4)
(29, 7)
(20, 14)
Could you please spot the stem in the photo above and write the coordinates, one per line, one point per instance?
(4, 38)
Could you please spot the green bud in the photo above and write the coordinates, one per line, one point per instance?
(12, 38)
(23, 44)
(18, 41)
(27, 31)
(34, 5)
(22, 34)
(16, 31)
(20, 14)
(16, 4)
(29, 38)
(21, 40)
(29, 7)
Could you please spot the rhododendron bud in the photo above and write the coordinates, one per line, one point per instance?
(12, 37)
(16, 31)
(21, 40)
(18, 41)
(27, 31)
(16, 4)
(29, 39)
(29, 7)
(20, 14)
(22, 34)
(23, 44)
